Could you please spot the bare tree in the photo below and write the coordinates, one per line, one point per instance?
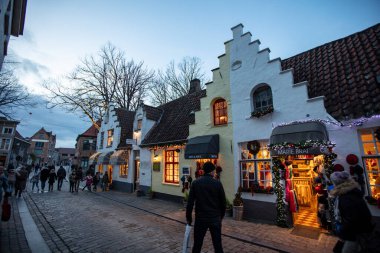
(98, 81)
(174, 82)
(13, 95)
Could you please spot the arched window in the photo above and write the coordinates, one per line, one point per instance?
(262, 100)
(220, 112)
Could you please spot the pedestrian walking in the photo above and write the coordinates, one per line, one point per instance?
(21, 178)
(88, 180)
(352, 215)
(52, 178)
(35, 179)
(96, 180)
(11, 175)
(79, 177)
(44, 174)
(72, 179)
(209, 198)
(105, 181)
(61, 174)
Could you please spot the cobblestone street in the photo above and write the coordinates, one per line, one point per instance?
(120, 222)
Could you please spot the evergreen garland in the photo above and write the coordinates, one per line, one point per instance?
(278, 170)
(328, 163)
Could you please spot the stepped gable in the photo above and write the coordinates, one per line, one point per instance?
(345, 71)
(173, 126)
(152, 113)
(125, 119)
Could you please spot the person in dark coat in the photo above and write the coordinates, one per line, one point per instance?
(79, 178)
(52, 178)
(61, 174)
(95, 180)
(43, 177)
(21, 177)
(352, 215)
(209, 198)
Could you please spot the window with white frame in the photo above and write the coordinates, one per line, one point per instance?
(262, 101)
(171, 167)
(39, 145)
(255, 169)
(7, 130)
(370, 139)
(109, 137)
(139, 124)
(5, 144)
(123, 169)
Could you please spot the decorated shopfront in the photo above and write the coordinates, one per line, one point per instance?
(302, 163)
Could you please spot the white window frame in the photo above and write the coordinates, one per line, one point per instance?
(5, 144)
(8, 128)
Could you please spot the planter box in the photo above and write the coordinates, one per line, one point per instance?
(238, 212)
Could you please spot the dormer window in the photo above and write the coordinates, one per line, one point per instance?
(262, 101)
(220, 112)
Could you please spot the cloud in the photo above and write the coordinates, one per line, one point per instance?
(32, 67)
(66, 126)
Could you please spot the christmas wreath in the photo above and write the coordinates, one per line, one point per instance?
(253, 147)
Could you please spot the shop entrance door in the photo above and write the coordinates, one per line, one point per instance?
(302, 170)
(137, 175)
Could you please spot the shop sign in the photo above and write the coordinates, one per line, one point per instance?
(202, 156)
(300, 151)
(156, 166)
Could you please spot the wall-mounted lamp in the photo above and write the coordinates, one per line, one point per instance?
(178, 150)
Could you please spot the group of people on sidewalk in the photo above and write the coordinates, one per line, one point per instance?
(47, 173)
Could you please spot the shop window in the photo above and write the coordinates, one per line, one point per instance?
(171, 167)
(7, 130)
(123, 169)
(220, 112)
(370, 139)
(110, 138)
(262, 101)
(84, 162)
(101, 140)
(255, 169)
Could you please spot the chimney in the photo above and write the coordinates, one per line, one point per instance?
(195, 85)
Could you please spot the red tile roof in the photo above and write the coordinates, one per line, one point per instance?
(345, 71)
(92, 131)
(173, 126)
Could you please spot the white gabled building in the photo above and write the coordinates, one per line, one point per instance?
(322, 95)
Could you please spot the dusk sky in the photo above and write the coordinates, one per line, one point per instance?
(58, 34)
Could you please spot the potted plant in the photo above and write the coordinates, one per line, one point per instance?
(228, 208)
(238, 205)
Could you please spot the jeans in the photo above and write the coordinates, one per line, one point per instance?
(77, 185)
(200, 229)
(43, 185)
(11, 185)
(72, 186)
(60, 181)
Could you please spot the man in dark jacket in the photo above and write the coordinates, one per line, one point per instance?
(61, 174)
(210, 206)
(352, 215)
(43, 177)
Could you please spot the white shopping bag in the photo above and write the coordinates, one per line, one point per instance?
(186, 240)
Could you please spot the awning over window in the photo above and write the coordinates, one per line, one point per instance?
(119, 157)
(297, 133)
(206, 146)
(104, 158)
(94, 158)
